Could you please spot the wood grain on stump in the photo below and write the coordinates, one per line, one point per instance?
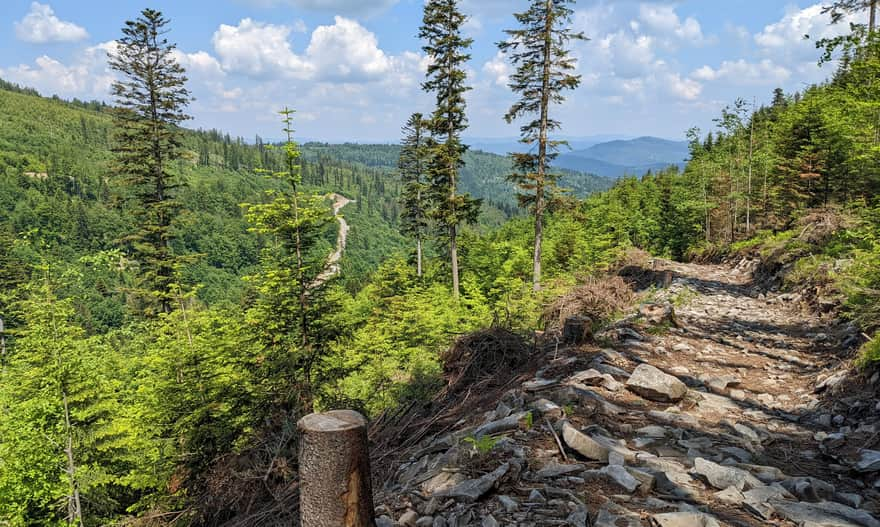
(334, 469)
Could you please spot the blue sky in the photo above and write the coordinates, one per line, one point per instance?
(352, 68)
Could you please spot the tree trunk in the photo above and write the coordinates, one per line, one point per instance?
(749, 185)
(453, 254)
(541, 176)
(335, 480)
(419, 257)
(873, 19)
(74, 507)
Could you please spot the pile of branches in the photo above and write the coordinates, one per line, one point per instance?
(599, 299)
(479, 367)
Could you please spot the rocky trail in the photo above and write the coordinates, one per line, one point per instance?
(712, 403)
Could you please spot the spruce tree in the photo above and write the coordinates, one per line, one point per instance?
(413, 174)
(151, 98)
(291, 304)
(447, 49)
(538, 50)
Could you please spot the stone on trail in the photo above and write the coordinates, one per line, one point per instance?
(869, 461)
(593, 447)
(722, 477)
(651, 383)
(823, 514)
(730, 495)
(554, 469)
(620, 476)
(471, 490)
(685, 519)
(502, 425)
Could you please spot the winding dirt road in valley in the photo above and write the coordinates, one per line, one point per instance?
(332, 267)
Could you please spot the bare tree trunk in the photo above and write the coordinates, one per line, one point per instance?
(873, 19)
(74, 507)
(336, 487)
(749, 185)
(419, 257)
(542, 146)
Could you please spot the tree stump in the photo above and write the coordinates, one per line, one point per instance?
(577, 330)
(334, 469)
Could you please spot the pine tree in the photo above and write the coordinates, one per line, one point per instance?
(413, 175)
(151, 98)
(543, 66)
(446, 47)
(291, 302)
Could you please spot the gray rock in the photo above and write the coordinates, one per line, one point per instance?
(849, 499)
(555, 469)
(823, 514)
(408, 518)
(651, 383)
(535, 496)
(620, 476)
(722, 477)
(809, 489)
(439, 521)
(685, 519)
(547, 408)
(730, 495)
(471, 490)
(869, 461)
(425, 521)
(502, 425)
(747, 432)
(577, 518)
(593, 447)
(509, 504)
(611, 515)
(489, 521)
(384, 521)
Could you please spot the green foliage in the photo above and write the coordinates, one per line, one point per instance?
(543, 72)
(482, 445)
(150, 101)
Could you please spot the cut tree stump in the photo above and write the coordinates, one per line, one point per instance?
(334, 469)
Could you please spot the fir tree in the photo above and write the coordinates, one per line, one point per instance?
(291, 302)
(543, 65)
(445, 45)
(413, 174)
(151, 98)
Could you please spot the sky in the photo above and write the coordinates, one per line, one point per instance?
(353, 68)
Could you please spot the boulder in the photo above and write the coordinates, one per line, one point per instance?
(684, 519)
(722, 477)
(651, 383)
(869, 461)
(594, 447)
(823, 514)
(471, 490)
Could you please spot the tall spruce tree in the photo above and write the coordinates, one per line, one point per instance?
(151, 98)
(291, 304)
(413, 165)
(538, 50)
(447, 49)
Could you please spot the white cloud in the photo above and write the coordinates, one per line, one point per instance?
(786, 37)
(498, 69)
(87, 76)
(41, 26)
(742, 72)
(346, 51)
(340, 7)
(682, 88)
(662, 20)
(259, 49)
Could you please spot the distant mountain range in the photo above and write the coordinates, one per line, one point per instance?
(605, 156)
